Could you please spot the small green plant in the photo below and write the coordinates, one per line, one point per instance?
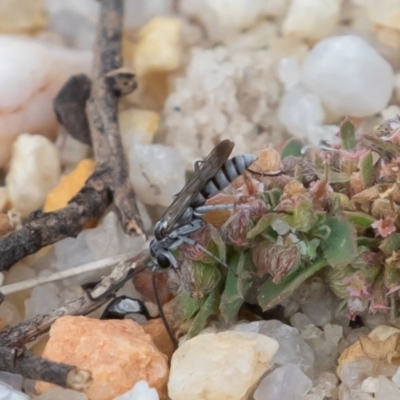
(335, 209)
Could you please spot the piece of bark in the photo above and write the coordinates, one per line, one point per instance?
(69, 104)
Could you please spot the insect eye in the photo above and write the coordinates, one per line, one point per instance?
(163, 261)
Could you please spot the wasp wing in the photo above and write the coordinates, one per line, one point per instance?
(206, 170)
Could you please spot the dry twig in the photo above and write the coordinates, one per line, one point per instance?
(109, 182)
(27, 331)
(33, 367)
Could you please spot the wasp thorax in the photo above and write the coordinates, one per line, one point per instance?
(159, 229)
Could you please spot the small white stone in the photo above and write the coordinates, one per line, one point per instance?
(320, 312)
(71, 151)
(286, 382)
(14, 380)
(108, 238)
(370, 385)
(34, 171)
(59, 393)
(71, 252)
(44, 298)
(157, 173)
(335, 70)
(31, 74)
(289, 72)
(333, 333)
(328, 133)
(223, 365)
(396, 378)
(390, 112)
(387, 390)
(300, 109)
(141, 391)
(384, 12)
(312, 19)
(8, 393)
(292, 348)
(19, 272)
(9, 313)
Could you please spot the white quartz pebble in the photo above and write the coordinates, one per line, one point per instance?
(34, 171)
(292, 348)
(31, 73)
(289, 72)
(44, 298)
(8, 393)
(217, 366)
(287, 382)
(312, 19)
(157, 173)
(299, 110)
(349, 76)
(370, 385)
(396, 378)
(387, 390)
(141, 391)
(14, 380)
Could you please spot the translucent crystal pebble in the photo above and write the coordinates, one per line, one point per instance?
(335, 71)
(387, 390)
(43, 299)
(292, 348)
(370, 385)
(396, 378)
(289, 72)
(287, 382)
(34, 170)
(300, 109)
(59, 393)
(311, 19)
(141, 391)
(157, 173)
(320, 312)
(8, 393)
(109, 239)
(71, 252)
(14, 380)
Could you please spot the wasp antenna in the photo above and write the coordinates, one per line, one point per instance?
(161, 311)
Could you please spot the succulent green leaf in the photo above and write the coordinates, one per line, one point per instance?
(341, 246)
(263, 223)
(371, 243)
(321, 231)
(274, 195)
(359, 219)
(208, 308)
(188, 306)
(271, 294)
(238, 282)
(391, 243)
(312, 247)
(366, 166)
(303, 217)
(348, 135)
(292, 148)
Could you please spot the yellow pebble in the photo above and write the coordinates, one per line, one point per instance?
(69, 186)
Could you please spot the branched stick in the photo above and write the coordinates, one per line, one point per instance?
(27, 331)
(110, 181)
(33, 367)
